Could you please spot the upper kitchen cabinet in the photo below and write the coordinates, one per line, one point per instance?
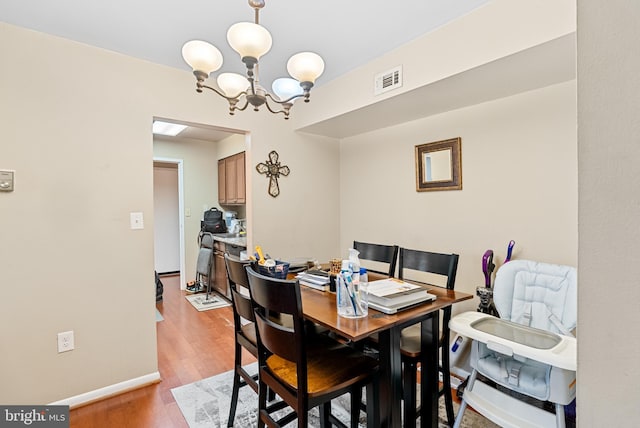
(231, 180)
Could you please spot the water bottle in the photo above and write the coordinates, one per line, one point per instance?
(364, 277)
(351, 302)
(354, 262)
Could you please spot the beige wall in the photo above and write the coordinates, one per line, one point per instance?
(231, 145)
(609, 194)
(519, 174)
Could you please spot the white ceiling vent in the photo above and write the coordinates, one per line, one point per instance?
(388, 80)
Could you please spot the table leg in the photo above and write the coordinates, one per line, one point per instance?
(430, 329)
(390, 379)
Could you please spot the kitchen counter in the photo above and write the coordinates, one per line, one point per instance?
(231, 239)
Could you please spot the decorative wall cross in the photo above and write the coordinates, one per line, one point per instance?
(272, 169)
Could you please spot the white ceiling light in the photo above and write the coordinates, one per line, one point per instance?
(166, 128)
(251, 41)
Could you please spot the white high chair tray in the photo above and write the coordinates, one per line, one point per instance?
(510, 338)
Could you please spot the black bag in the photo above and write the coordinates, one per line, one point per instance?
(213, 222)
(159, 288)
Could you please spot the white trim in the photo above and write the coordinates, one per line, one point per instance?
(179, 162)
(109, 391)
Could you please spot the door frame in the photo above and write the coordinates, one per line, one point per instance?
(179, 163)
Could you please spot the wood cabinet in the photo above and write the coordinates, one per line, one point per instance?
(220, 282)
(222, 181)
(220, 276)
(231, 180)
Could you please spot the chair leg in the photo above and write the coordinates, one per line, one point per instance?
(325, 415)
(236, 386)
(356, 400)
(463, 406)
(446, 385)
(373, 396)
(409, 382)
(262, 403)
(458, 421)
(560, 421)
(303, 417)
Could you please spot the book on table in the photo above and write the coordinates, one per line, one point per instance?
(392, 294)
(314, 279)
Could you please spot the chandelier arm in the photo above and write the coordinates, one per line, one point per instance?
(244, 107)
(287, 101)
(284, 111)
(236, 98)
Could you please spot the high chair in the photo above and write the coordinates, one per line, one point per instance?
(528, 352)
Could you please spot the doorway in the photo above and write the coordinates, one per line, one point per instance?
(166, 218)
(198, 147)
(168, 203)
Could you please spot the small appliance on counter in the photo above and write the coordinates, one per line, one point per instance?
(237, 225)
(229, 217)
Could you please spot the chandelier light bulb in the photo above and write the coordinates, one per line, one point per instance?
(285, 88)
(305, 66)
(202, 56)
(232, 84)
(249, 39)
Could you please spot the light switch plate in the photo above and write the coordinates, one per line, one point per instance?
(6, 181)
(137, 221)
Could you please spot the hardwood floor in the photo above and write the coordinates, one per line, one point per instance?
(192, 345)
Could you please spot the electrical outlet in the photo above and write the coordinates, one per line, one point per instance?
(65, 341)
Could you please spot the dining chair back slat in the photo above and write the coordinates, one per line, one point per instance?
(380, 253)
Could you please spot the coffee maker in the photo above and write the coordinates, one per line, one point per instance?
(232, 223)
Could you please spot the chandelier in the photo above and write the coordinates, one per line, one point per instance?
(251, 41)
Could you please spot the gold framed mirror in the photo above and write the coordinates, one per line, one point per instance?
(439, 165)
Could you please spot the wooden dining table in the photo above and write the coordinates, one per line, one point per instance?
(320, 308)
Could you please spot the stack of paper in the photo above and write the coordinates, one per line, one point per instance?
(391, 295)
(314, 279)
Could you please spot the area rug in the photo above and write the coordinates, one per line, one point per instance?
(201, 303)
(206, 403)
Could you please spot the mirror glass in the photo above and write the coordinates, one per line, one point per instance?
(437, 165)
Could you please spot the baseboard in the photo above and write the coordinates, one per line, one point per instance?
(169, 273)
(109, 391)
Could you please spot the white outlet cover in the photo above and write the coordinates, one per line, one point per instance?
(65, 341)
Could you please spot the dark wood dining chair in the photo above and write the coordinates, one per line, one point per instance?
(244, 328)
(305, 372)
(446, 266)
(387, 254)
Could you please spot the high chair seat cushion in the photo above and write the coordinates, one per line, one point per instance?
(538, 295)
(525, 376)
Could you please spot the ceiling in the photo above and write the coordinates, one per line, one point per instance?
(346, 34)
